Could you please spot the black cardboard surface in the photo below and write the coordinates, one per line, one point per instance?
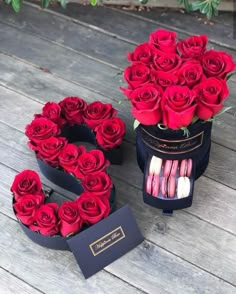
(105, 241)
(81, 133)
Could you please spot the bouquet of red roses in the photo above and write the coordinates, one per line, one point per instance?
(175, 83)
(48, 218)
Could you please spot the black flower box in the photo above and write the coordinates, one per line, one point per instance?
(81, 133)
(99, 245)
(173, 145)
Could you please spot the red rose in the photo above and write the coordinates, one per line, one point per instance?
(142, 53)
(49, 150)
(137, 75)
(40, 129)
(168, 62)
(110, 133)
(192, 47)
(26, 182)
(217, 64)
(97, 112)
(69, 155)
(146, 104)
(164, 79)
(92, 209)
(27, 206)
(90, 162)
(72, 109)
(210, 95)
(52, 111)
(190, 73)
(178, 105)
(46, 220)
(99, 184)
(163, 40)
(70, 220)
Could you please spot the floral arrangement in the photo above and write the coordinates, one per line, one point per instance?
(173, 83)
(44, 134)
(48, 218)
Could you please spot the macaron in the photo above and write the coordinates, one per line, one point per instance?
(155, 165)
(149, 184)
(183, 188)
(168, 187)
(186, 167)
(155, 186)
(170, 168)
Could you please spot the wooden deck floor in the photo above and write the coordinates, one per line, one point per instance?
(192, 252)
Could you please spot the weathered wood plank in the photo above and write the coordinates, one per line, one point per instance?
(69, 34)
(9, 284)
(223, 129)
(136, 25)
(36, 265)
(219, 31)
(169, 233)
(69, 65)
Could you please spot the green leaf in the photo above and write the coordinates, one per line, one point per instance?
(45, 3)
(186, 131)
(224, 109)
(63, 3)
(16, 4)
(230, 75)
(187, 5)
(93, 2)
(7, 1)
(143, 2)
(195, 118)
(136, 124)
(196, 5)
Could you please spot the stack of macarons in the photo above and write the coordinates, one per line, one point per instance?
(169, 178)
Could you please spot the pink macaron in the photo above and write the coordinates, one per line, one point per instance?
(170, 168)
(186, 167)
(168, 187)
(155, 186)
(149, 184)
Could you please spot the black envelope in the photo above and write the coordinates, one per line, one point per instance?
(105, 241)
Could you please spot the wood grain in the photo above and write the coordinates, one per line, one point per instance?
(44, 268)
(167, 232)
(77, 37)
(182, 227)
(10, 283)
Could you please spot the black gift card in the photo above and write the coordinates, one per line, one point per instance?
(105, 241)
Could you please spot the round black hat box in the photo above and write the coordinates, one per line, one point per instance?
(173, 145)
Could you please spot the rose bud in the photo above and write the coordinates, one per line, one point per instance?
(163, 40)
(72, 109)
(192, 47)
(26, 182)
(90, 162)
(92, 209)
(142, 53)
(46, 220)
(210, 95)
(49, 150)
(69, 155)
(178, 105)
(110, 133)
(27, 206)
(70, 220)
(137, 75)
(97, 112)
